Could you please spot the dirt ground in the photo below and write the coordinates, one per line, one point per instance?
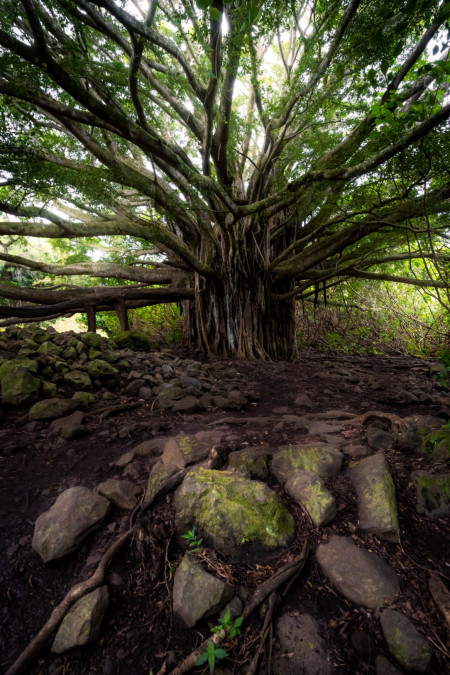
(140, 631)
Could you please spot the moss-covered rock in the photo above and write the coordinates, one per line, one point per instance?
(15, 364)
(85, 397)
(309, 490)
(405, 642)
(185, 449)
(100, 368)
(375, 489)
(69, 353)
(48, 389)
(239, 517)
(253, 462)
(433, 493)
(19, 386)
(322, 458)
(49, 347)
(53, 408)
(78, 380)
(132, 340)
(436, 445)
(82, 622)
(158, 475)
(91, 339)
(94, 354)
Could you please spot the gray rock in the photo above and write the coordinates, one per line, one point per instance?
(196, 593)
(52, 408)
(167, 396)
(432, 493)
(82, 622)
(74, 515)
(378, 439)
(360, 576)
(99, 369)
(324, 459)
(187, 404)
(240, 518)
(375, 489)
(158, 475)
(318, 428)
(301, 649)
(150, 448)
(182, 450)
(405, 643)
(309, 490)
(356, 451)
(70, 427)
(122, 493)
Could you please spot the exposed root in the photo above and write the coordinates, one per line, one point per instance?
(396, 423)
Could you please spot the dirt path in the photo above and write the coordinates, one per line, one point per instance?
(139, 630)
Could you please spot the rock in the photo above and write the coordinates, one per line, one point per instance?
(360, 576)
(240, 518)
(167, 396)
(122, 493)
(436, 445)
(441, 595)
(318, 428)
(187, 404)
(196, 593)
(52, 408)
(301, 650)
(19, 387)
(405, 643)
(356, 451)
(132, 340)
(251, 462)
(324, 459)
(124, 459)
(99, 368)
(309, 490)
(85, 397)
(384, 667)
(70, 427)
(158, 475)
(378, 439)
(49, 347)
(432, 493)
(150, 448)
(377, 506)
(78, 380)
(74, 515)
(91, 339)
(439, 371)
(182, 450)
(303, 401)
(82, 622)
(48, 389)
(21, 363)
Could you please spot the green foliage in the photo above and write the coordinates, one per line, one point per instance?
(230, 626)
(211, 655)
(195, 543)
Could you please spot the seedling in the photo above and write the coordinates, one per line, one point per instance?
(212, 654)
(228, 625)
(195, 543)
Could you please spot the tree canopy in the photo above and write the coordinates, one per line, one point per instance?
(244, 152)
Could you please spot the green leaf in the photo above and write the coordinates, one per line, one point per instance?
(215, 14)
(220, 653)
(201, 659)
(340, 70)
(203, 4)
(239, 621)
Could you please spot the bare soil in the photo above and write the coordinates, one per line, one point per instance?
(140, 631)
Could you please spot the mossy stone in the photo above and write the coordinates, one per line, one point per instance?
(78, 380)
(240, 518)
(91, 339)
(132, 340)
(437, 445)
(322, 458)
(19, 386)
(99, 368)
(48, 389)
(49, 347)
(69, 353)
(433, 493)
(82, 622)
(85, 397)
(309, 490)
(93, 353)
(15, 364)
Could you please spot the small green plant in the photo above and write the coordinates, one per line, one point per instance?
(231, 627)
(212, 654)
(195, 543)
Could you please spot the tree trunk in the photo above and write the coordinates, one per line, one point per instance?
(91, 318)
(236, 317)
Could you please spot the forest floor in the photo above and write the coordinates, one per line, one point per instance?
(140, 630)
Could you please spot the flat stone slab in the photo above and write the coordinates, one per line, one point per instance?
(196, 593)
(122, 493)
(405, 642)
(82, 622)
(377, 506)
(240, 518)
(323, 458)
(309, 490)
(74, 515)
(301, 649)
(360, 576)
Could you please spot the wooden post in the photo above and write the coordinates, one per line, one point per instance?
(92, 323)
(122, 313)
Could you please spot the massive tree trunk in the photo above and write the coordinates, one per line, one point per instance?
(237, 317)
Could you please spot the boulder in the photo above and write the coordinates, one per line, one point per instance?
(196, 593)
(91, 339)
(432, 493)
(436, 445)
(52, 408)
(378, 439)
(21, 363)
(251, 462)
(239, 517)
(158, 475)
(360, 576)
(122, 493)
(405, 642)
(73, 516)
(82, 622)
(49, 347)
(377, 506)
(308, 488)
(70, 427)
(19, 387)
(301, 649)
(322, 458)
(78, 379)
(132, 340)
